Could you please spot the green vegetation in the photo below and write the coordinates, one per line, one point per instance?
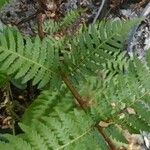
(90, 89)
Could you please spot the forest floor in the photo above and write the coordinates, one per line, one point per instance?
(25, 14)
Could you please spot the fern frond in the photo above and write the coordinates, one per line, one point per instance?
(69, 18)
(46, 103)
(52, 122)
(121, 100)
(95, 46)
(6, 146)
(17, 143)
(62, 131)
(39, 61)
(27, 59)
(115, 133)
(143, 110)
(52, 27)
(67, 128)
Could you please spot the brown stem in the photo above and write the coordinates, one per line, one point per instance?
(81, 103)
(107, 139)
(40, 26)
(72, 89)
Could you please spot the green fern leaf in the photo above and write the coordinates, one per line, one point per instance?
(115, 133)
(27, 59)
(95, 46)
(143, 110)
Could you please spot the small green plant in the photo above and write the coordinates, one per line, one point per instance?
(2, 2)
(91, 92)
